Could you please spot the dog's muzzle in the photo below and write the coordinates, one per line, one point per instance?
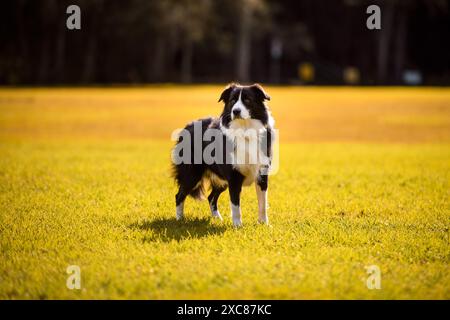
(237, 114)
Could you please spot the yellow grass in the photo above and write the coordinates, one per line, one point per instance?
(363, 180)
(302, 114)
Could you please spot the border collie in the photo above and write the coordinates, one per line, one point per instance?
(245, 122)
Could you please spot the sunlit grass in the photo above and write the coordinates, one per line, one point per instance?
(85, 180)
(301, 114)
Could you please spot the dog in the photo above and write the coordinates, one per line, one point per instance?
(245, 118)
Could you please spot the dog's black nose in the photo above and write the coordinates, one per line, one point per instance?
(237, 112)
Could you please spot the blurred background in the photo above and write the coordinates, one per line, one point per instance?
(215, 41)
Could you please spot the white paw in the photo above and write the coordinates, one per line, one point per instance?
(263, 220)
(237, 223)
(236, 215)
(217, 215)
(180, 212)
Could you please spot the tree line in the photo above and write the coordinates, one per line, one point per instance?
(142, 41)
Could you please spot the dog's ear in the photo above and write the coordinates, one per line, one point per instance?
(259, 91)
(225, 96)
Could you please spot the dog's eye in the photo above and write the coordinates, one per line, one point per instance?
(232, 101)
(247, 101)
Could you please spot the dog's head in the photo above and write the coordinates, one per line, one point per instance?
(244, 103)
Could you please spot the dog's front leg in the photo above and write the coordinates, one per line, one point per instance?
(235, 187)
(261, 193)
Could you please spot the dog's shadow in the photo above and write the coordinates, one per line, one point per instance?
(168, 229)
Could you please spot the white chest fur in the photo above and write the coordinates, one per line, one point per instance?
(248, 157)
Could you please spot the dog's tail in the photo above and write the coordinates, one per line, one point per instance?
(206, 183)
(198, 193)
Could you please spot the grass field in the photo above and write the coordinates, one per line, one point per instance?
(363, 180)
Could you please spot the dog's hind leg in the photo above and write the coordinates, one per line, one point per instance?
(212, 199)
(189, 184)
(179, 201)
